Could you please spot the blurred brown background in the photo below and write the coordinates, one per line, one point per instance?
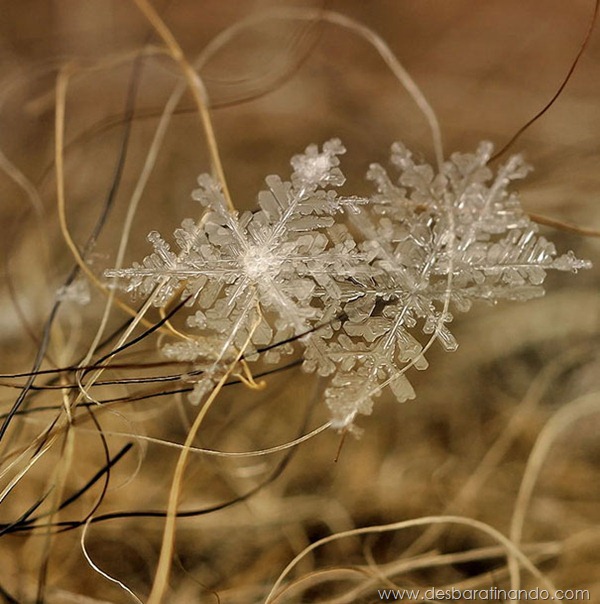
(486, 68)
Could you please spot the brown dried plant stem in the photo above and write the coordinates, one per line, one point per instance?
(64, 76)
(278, 592)
(196, 87)
(561, 421)
(561, 225)
(161, 577)
(556, 95)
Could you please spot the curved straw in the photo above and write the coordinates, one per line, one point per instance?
(540, 113)
(335, 18)
(163, 570)
(196, 87)
(580, 407)
(510, 548)
(215, 452)
(99, 570)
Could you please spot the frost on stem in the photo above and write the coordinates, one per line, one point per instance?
(423, 244)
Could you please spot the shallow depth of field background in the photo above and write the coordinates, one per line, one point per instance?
(486, 67)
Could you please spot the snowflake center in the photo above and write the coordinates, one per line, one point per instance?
(257, 262)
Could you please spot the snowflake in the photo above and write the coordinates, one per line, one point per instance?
(438, 241)
(257, 277)
(421, 247)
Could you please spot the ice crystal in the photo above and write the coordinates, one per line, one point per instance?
(77, 292)
(424, 245)
(441, 241)
(257, 277)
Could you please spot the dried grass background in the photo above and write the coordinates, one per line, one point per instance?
(462, 448)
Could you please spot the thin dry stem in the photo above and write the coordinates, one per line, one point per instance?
(581, 407)
(161, 577)
(196, 88)
(510, 548)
